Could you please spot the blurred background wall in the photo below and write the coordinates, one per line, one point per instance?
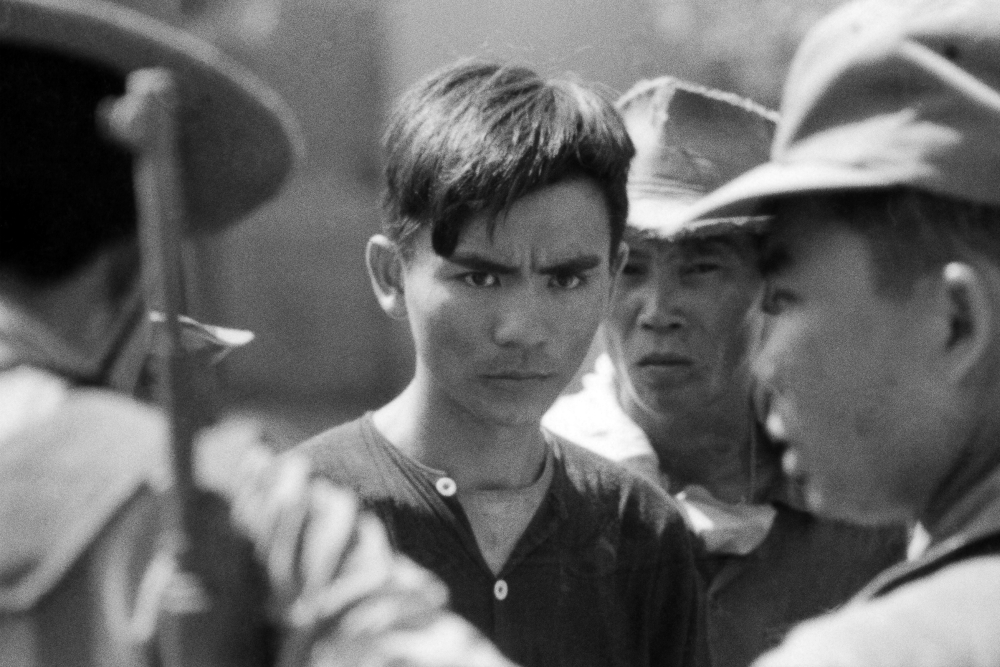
(295, 275)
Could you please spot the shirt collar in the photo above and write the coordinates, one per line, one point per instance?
(975, 514)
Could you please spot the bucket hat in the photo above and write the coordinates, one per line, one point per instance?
(689, 140)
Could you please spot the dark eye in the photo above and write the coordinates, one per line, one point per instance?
(701, 268)
(634, 269)
(481, 279)
(566, 281)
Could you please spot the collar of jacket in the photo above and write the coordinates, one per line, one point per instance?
(970, 527)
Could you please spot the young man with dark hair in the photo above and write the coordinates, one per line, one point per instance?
(505, 202)
(881, 312)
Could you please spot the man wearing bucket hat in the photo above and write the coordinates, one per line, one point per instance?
(880, 343)
(93, 569)
(671, 396)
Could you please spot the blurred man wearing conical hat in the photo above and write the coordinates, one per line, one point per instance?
(89, 570)
(670, 398)
(880, 345)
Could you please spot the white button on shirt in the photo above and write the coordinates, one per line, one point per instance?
(446, 486)
(500, 589)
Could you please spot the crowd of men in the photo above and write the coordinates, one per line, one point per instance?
(800, 318)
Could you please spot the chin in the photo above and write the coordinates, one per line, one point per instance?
(666, 404)
(511, 414)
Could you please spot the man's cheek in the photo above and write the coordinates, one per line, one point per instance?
(459, 327)
(791, 376)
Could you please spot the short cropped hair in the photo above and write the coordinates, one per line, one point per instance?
(65, 190)
(911, 232)
(476, 137)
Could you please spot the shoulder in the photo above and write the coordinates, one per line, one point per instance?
(34, 398)
(330, 442)
(342, 452)
(615, 495)
(73, 459)
(90, 430)
(950, 553)
(597, 474)
(951, 617)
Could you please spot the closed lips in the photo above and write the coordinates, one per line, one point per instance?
(664, 359)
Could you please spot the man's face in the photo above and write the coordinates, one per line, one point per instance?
(676, 331)
(847, 371)
(501, 326)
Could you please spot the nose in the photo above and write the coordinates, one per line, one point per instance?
(661, 308)
(523, 321)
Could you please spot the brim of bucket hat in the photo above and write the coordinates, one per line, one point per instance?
(667, 218)
(745, 197)
(238, 139)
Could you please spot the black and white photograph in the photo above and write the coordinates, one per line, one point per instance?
(521, 333)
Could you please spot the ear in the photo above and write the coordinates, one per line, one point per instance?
(385, 268)
(970, 312)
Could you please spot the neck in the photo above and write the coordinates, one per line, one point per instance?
(477, 453)
(65, 310)
(714, 449)
(956, 499)
(82, 308)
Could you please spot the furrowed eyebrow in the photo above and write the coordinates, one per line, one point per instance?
(479, 263)
(575, 265)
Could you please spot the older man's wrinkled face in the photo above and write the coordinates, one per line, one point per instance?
(677, 332)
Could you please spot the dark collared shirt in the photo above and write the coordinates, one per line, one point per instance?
(603, 575)
(805, 567)
(801, 566)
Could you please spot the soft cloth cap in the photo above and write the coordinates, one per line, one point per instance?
(883, 94)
